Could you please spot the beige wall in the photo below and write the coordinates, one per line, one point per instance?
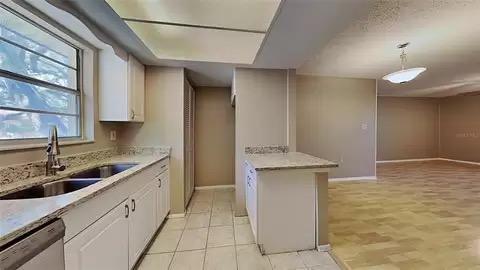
(261, 116)
(407, 128)
(336, 121)
(101, 131)
(460, 128)
(163, 124)
(214, 137)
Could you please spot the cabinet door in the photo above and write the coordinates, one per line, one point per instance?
(113, 80)
(142, 223)
(103, 245)
(160, 199)
(136, 91)
(166, 190)
(163, 197)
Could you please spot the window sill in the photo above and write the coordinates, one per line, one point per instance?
(17, 147)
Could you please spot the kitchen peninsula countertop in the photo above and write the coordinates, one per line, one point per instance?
(289, 160)
(20, 216)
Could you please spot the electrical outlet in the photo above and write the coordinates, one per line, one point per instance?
(113, 135)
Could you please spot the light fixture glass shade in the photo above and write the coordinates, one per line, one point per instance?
(404, 75)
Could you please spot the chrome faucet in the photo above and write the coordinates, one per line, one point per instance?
(53, 165)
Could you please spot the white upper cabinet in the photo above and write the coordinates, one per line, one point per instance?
(121, 88)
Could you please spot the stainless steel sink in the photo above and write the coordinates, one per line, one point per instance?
(50, 189)
(75, 182)
(103, 171)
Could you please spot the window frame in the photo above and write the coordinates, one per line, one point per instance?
(78, 92)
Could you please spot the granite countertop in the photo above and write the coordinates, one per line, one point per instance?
(20, 216)
(289, 160)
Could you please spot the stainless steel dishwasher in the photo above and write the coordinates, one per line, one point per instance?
(39, 250)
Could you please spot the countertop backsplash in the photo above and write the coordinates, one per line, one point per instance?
(21, 172)
(266, 149)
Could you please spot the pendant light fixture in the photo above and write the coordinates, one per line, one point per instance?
(404, 75)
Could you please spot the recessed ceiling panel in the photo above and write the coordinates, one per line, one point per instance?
(198, 44)
(253, 15)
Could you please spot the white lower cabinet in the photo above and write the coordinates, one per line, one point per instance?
(163, 196)
(103, 245)
(281, 207)
(116, 238)
(143, 220)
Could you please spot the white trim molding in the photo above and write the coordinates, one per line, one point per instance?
(179, 215)
(459, 161)
(215, 187)
(324, 248)
(406, 160)
(360, 178)
(429, 159)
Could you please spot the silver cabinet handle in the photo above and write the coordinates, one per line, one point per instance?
(133, 205)
(127, 211)
(159, 183)
(132, 114)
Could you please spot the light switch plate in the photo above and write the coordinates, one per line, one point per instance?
(113, 135)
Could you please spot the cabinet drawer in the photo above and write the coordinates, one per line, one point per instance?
(161, 167)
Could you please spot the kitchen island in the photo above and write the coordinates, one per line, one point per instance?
(287, 201)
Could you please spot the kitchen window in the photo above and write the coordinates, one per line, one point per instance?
(40, 80)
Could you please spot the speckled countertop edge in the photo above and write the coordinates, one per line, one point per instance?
(21, 216)
(287, 161)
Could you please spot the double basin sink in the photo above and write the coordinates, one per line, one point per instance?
(74, 182)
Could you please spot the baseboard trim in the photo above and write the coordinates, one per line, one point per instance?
(460, 161)
(179, 215)
(360, 178)
(324, 248)
(406, 160)
(214, 187)
(428, 159)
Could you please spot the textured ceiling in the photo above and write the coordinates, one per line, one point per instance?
(444, 37)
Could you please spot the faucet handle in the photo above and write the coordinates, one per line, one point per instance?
(49, 148)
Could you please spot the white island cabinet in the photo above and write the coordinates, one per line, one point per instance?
(285, 201)
(112, 230)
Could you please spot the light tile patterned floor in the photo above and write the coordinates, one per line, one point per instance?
(211, 238)
(422, 215)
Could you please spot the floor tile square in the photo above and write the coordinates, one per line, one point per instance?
(221, 206)
(221, 258)
(174, 224)
(224, 218)
(220, 236)
(286, 261)
(243, 234)
(201, 207)
(249, 258)
(313, 258)
(166, 241)
(193, 239)
(156, 262)
(188, 260)
(200, 220)
(241, 220)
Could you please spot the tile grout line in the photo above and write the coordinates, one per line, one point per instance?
(208, 233)
(187, 216)
(234, 237)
